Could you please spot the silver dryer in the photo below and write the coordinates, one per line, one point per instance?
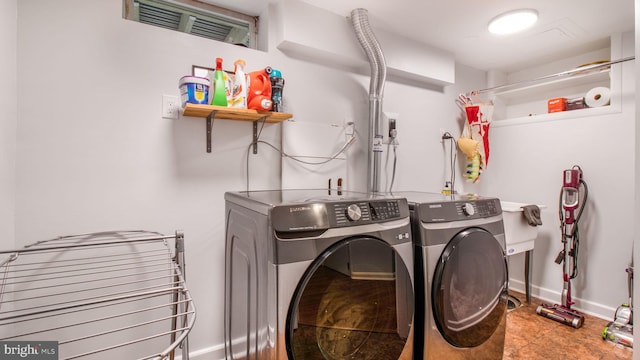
(461, 276)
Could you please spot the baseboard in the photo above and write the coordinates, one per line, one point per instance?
(553, 297)
(215, 352)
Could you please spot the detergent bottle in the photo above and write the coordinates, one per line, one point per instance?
(259, 96)
(239, 88)
(219, 85)
(277, 83)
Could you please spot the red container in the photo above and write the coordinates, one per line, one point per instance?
(557, 105)
(259, 95)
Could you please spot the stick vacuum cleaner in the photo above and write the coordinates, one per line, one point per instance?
(620, 330)
(573, 197)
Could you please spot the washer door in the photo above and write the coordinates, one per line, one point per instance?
(355, 301)
(469, 288)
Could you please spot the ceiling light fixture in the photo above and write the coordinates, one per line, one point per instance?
(513, 21)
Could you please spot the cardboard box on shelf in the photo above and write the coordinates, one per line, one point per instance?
(577, 103)
(557, 104)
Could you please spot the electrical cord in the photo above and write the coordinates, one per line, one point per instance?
(344, 148)
(453, 156)
(395, 161)
(575, 233)
(251, 145)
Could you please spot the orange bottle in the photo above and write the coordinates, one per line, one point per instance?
(259, 85)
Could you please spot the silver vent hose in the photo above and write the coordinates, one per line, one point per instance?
(372, 48)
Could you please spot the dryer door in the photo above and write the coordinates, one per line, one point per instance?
(355, 301)
(469, 288)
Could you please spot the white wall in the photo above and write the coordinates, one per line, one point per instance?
(8, 122)
(8, 118)
(526, 166)
(95, 154)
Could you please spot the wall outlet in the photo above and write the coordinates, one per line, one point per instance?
(389, 123)
(349, 126)
(170, 107)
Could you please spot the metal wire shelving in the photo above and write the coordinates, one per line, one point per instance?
(105, 295)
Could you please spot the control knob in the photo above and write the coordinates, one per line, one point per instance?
(353, 212)
(468, 209)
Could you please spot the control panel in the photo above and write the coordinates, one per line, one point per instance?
(346, 213)
(477, 208)
(383, 210)
(325, 215)
(460, 210)
(366, 211)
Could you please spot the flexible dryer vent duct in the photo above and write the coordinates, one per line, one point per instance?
(374, 53)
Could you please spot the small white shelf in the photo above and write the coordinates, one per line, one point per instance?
(564, 115)
(525, 101)
(577, 73)
(540, 87)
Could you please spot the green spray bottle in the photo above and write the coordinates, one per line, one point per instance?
(219, 86)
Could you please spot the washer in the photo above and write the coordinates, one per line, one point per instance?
(318, 274)
(461, 276)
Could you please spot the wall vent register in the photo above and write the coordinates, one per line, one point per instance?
(196, 18)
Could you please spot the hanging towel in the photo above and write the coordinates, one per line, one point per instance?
(532, 214)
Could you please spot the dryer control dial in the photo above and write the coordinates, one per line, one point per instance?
(354, 213)
(468, 209)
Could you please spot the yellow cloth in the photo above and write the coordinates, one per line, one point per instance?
(468, 146)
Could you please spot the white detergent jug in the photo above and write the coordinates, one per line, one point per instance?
(239, 88)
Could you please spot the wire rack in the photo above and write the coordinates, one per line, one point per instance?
(107, 295)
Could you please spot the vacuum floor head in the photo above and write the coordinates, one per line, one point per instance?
(619, 334)
(561, 314)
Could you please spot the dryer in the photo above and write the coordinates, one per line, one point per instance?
(317, 274)
(461, 276)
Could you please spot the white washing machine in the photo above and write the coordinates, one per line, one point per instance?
(317, 274)
(461, 276)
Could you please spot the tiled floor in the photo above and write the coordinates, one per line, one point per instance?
(532, 337)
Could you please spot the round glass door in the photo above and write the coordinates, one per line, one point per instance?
(354, 302)
(469, 288)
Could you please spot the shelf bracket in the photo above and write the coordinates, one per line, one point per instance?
(255, 133)
(210, 118)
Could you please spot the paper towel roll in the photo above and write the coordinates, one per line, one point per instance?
(598, 96)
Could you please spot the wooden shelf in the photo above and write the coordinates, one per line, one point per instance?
(211, 112)
(221, 112)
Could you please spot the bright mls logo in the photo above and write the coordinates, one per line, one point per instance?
(31, 350)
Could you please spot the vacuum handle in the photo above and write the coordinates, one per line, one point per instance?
(570, 196)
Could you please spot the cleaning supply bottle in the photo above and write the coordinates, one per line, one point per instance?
(277, 83)
(259, 85)
(239, 88)
(219, 85)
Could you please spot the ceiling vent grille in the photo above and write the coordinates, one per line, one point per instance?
(194, 18)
